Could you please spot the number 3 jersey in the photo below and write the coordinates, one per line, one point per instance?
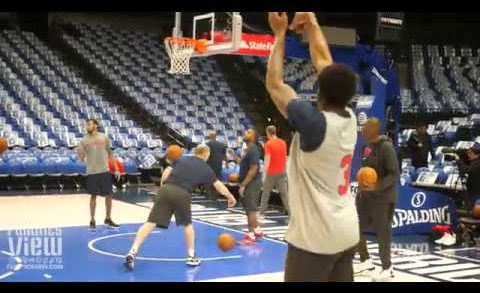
(323, 216)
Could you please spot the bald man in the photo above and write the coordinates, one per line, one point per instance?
(174, 198)
(376, 205)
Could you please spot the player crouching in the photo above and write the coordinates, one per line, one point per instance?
(174, 198)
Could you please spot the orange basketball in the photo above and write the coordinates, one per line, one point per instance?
(367, 177)
(174, 152)
(233, 178)
(3, 145)
(201, 46)
(476, 211)
(226, 242)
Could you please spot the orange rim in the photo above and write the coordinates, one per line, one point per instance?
(199, 46)
(180, 41)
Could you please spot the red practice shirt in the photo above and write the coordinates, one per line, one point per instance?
(120, 166)
(277, 149)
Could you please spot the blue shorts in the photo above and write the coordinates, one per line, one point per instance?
(100, 184)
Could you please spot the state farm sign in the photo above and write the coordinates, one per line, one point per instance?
(257, 45)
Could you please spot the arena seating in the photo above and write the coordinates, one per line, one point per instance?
(137, 64)
(456, 133)
(409, 104)
(299, 73)
(445, 79)
(44, 105)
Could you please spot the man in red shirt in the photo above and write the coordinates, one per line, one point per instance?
(275, 166)
(118, 181)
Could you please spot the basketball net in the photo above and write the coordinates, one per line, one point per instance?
(180, 51)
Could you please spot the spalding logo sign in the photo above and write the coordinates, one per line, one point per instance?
(418, 199)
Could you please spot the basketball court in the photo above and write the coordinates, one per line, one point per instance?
(46, 238)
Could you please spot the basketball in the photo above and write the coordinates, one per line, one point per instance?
(476, 211)
(3, 145)
(367, 177)
(233, 178)
(226, 242)
(174, 152)
(201, 46)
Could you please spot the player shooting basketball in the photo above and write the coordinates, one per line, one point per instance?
(323, 229)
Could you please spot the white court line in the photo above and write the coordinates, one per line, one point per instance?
(170, 259)
(275, 235)
(17, 266)
(459, 257)
(7, 253)
(457, 249)
(276, 217)
(5, 275)
(274, 228)
(221, 227)
(202, 213)
(233, 230)
(454, 267)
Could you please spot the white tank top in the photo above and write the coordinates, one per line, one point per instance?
(323, 216)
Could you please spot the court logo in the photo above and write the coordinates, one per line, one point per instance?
(418, 199)
(38, 249)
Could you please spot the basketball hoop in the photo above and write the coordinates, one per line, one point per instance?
(180, 51)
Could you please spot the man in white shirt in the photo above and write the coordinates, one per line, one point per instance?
(323, 229)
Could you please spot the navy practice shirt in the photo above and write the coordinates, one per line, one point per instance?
(309, 122)
(189, 172)
(252, 157)
(217, 155)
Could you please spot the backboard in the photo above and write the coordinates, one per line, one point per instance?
(222, 30)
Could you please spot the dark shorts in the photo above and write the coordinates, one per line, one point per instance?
(304, 266)
(171, 200)
(251, 196)
(100, 184)
(375, 213)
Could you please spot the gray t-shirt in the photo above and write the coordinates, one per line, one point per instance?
(97, 150)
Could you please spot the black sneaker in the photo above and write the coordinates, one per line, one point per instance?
(130, 262)
(93, 227)
(193, 261)
(111, 224)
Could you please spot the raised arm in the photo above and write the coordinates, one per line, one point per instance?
(306, 22)
(280, 92)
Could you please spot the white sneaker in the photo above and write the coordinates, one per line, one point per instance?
(451, 240)
(442, 239)
(193, 261)
(447, 240)
(366, 266)
(384, 275)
